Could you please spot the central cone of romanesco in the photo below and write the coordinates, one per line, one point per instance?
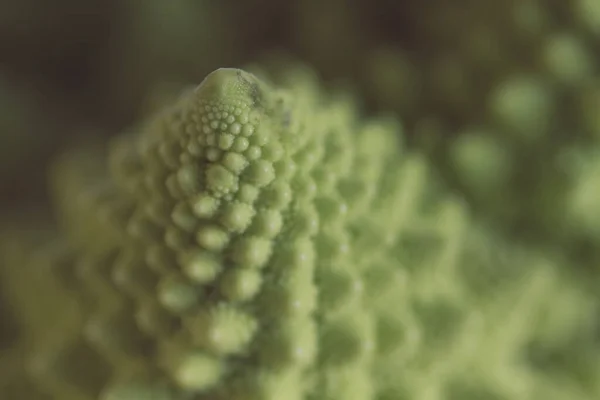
(257, 240)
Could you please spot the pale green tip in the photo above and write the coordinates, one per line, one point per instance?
(230, 84)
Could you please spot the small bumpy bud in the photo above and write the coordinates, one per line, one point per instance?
(223, 330)
(200, 266)
(252, 252)
(176, 295)
(204, 205)
(241, 284)
(198, 372)
(237, 216)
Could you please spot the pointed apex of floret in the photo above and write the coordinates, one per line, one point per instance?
(232, 84)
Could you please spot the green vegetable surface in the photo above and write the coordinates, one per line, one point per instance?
(258, 239)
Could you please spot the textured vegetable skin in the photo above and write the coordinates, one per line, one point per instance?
(258, 240)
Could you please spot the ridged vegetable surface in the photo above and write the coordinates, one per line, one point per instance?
(260, 240)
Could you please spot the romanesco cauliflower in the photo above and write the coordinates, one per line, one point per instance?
(258, 240)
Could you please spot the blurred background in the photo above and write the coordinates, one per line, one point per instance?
(485, 83)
